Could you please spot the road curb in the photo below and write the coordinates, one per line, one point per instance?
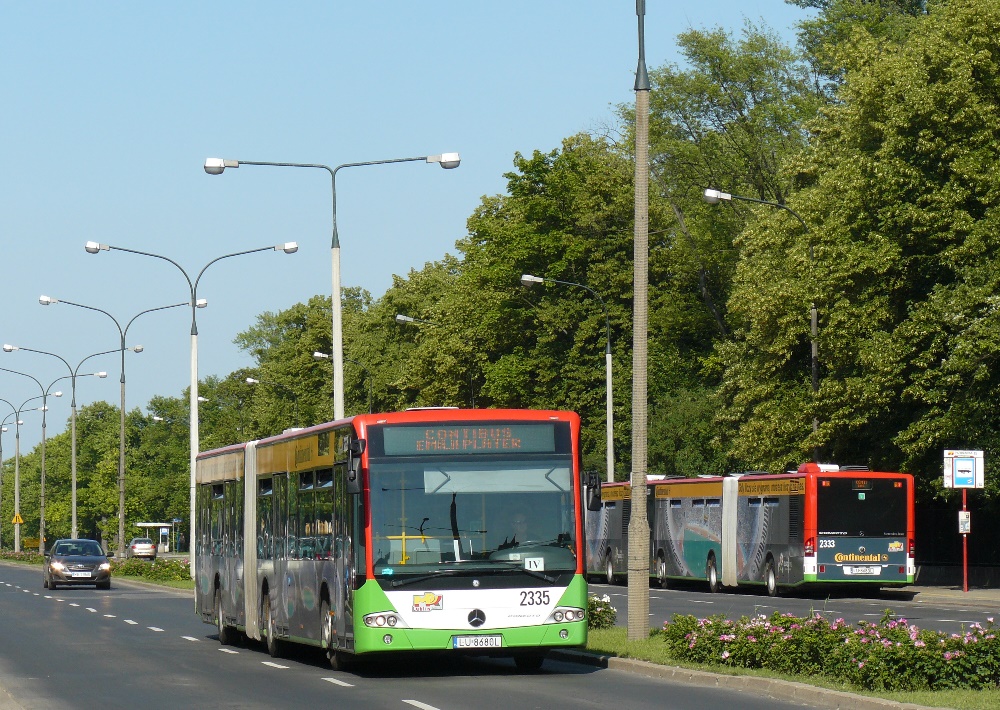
(759, 687)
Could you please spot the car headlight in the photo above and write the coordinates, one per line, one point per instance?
(56, 565)
(105, 566)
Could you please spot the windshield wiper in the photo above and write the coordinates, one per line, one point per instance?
(425, 577)
(510, 567)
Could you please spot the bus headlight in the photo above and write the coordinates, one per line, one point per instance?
(383, 619)
(565, 614)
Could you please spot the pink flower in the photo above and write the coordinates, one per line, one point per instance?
(725, 655)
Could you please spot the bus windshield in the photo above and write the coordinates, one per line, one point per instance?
(862, 507)
(443, 513)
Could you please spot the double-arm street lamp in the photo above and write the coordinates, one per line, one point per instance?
(17, 464)
(73, 374)
(216, 166)
(17, 482)
(122, 332)
(528, 280)
(713, 197)
(3, 428)
(287, 248)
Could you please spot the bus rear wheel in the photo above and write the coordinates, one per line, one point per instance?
(712, 575)
(770, 580)
(227, 634)
(273, 644)
(609, 568)
(661, 571)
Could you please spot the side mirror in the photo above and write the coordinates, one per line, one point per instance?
(354, 451)
(593, 491)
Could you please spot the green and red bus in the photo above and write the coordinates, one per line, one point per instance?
(390, 533)
(821, 524)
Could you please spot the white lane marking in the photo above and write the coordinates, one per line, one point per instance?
(73, 604)
(228, 650)
(190, 638)
(37, 594)
(274, 665)
(337, 681)
(92, 611)
(154, 628)
(955, 621)
(48, 596)
(26, 591)
(129, 621)
(418, 704)
(699, 601)
(110, 616)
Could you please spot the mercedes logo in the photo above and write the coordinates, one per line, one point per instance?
(861, 549)
(477, 617)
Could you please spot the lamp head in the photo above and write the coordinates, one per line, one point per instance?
(202, 399)
(57, 394)
(527, 280)
(94, 247)
(47, 300)
(287, 247)
(136, 348)
(9, 348)
(321, 356)
(101, 374)
(252, 381)
(446, 160)
(157, 419)
(201, 303)
(216, 166)
(400, 318)
(713, 197)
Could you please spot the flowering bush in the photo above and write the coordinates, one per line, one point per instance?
(885, 655)
(163, 570)
(600, 613)
(31, 557)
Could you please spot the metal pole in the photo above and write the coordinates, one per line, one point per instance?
(638, 528)
(965, 545)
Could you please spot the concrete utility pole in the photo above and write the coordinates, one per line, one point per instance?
(638, 527)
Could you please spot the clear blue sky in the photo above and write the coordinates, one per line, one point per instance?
(109, 110)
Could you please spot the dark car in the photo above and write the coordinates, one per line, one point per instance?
(73, 562)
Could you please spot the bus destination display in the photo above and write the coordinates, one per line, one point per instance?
(469, 439)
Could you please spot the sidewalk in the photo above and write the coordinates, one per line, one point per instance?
(952, 595)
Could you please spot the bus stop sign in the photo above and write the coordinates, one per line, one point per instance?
(964, 469)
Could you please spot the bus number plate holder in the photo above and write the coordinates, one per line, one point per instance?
(492, 641)
(863, 570)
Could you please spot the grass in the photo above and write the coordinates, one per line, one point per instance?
(613, 642)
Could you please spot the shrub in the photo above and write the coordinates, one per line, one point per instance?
(600, 613)
(161, 570)
(885, 655)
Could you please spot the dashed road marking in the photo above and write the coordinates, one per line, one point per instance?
(190, 638)
(418, 704)
(110, 616)
(73, 604)
(154, 628)
(228, 650)
(274, 665)
(129, 621)
(92, 611)
(337, 681)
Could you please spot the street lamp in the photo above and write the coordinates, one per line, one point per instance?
(368, 378)
(17, 466)
(713, 197)
(41, 500)
(527, 280)
(295, 399)
(122, 332)
(215, 166)
(3, 428)
(195, 303)
(73, 375)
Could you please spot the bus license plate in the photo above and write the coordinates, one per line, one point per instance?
(863, 570)
(495, 641)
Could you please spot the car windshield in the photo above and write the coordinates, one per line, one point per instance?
(142, 541)
(78, 549)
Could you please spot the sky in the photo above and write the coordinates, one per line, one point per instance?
(109, 110)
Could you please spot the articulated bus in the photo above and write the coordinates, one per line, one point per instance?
(819, 524)
(391, 533)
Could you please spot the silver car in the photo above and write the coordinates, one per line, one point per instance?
(72, 562)
(141, 547)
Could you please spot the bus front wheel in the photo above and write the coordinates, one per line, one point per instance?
(273, 644)
(225, 632)
(609, 568)
(661, 571)
(770, 580)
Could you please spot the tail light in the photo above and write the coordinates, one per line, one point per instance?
(810, 547)
(913, 549)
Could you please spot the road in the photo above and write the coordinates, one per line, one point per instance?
(142, 646)
(947, 615)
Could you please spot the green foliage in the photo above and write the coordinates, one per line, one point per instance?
(159, 570)
(887, 655)
(600, 613)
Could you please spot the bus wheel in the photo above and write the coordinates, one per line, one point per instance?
(712, 575)
(225, 632)
(609, 569)
(273, 644)
(770, 581)
(529, 662)
(661, 571)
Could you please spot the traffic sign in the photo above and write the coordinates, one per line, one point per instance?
(964, 469)
(18, 520)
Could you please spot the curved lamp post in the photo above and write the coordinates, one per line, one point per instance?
(3, 428)
(73, 374)
(122, 332)
(713, 197)
(17, 466)
(216, 166)
(195, 303)
(527, 280)
(41, 500)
